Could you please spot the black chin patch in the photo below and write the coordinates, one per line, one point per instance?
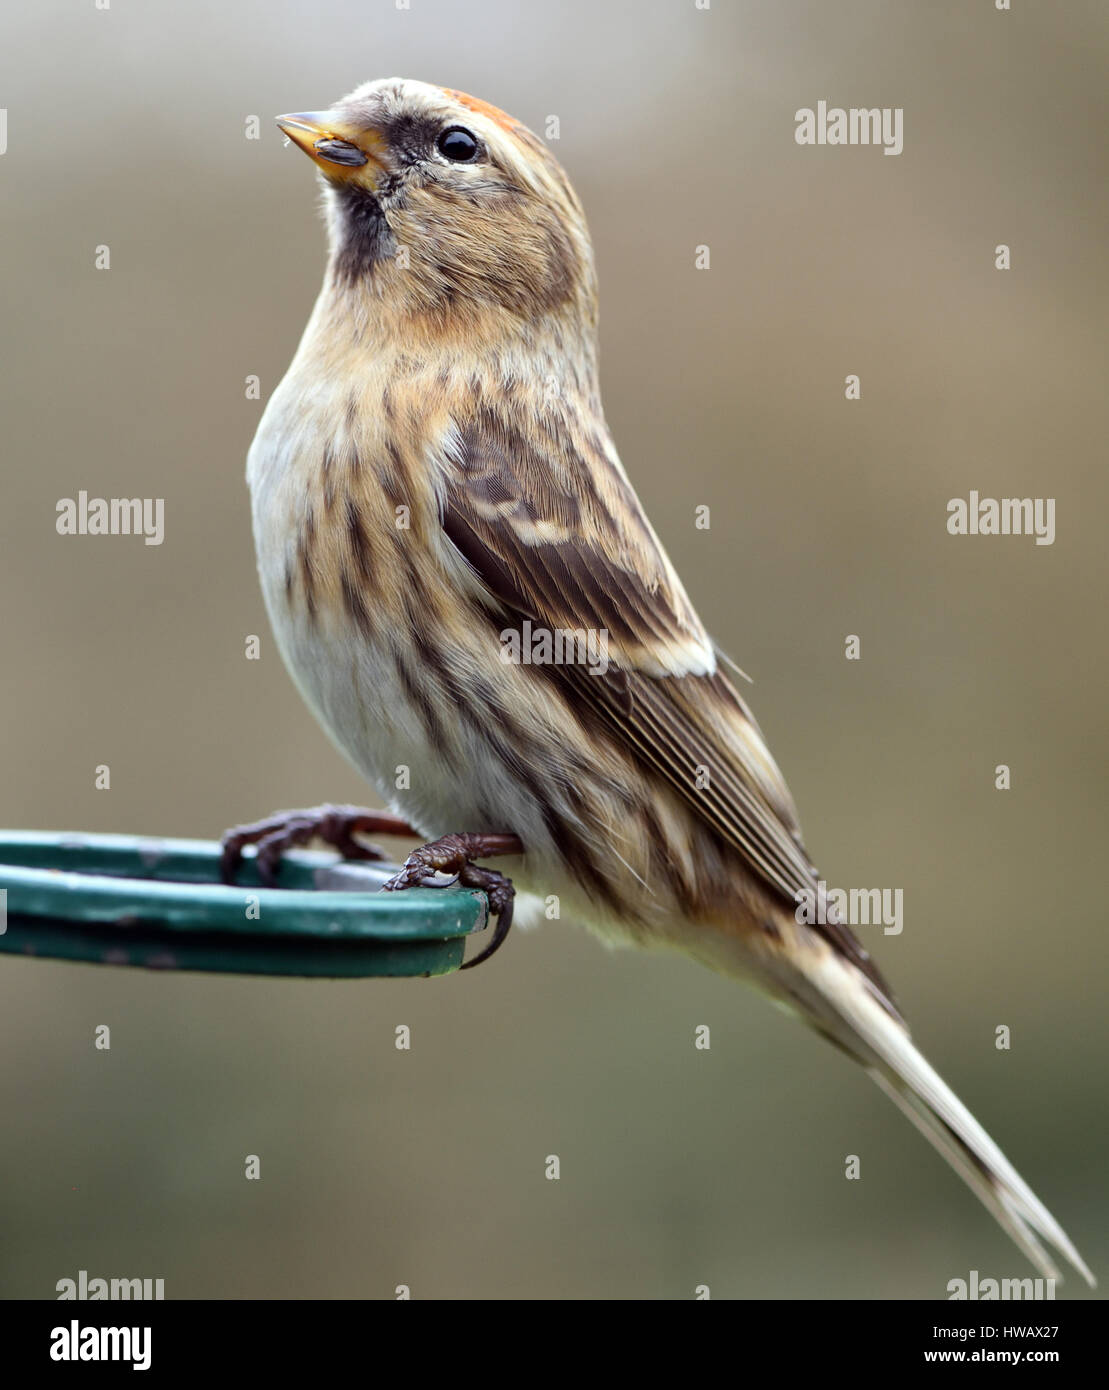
(365, 238)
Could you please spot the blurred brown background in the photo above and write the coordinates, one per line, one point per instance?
(723, 387)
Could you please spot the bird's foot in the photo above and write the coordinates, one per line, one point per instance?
(334, 825)
(454, 855)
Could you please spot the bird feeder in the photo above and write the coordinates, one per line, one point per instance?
(125, 900)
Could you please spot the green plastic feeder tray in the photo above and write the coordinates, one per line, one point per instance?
(125, 900)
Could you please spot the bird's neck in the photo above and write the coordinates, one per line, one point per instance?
(380, 317)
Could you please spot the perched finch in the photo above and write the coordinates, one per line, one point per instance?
(434, 489)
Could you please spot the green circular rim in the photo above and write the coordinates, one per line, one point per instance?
(136, 900)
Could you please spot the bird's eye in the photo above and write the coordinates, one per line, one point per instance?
(457, 144)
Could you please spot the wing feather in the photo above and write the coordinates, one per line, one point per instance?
(565, 543)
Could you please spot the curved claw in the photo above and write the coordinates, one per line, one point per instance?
(504, 923)
(427, 878)
(456, 852)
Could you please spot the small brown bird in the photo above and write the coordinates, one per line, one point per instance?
(468, 594)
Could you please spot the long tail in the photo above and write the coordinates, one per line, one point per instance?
(846, 1009)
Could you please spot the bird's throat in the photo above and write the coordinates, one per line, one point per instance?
(360, 235)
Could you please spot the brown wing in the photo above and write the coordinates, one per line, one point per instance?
(568, 546)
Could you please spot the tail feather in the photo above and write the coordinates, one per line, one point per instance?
(1002, 1207)
(884, 1047)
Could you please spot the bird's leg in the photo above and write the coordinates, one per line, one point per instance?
(335, 825)
(454, 855)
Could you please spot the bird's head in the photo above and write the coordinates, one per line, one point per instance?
(444, 205)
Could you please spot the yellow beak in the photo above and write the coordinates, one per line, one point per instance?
(335, 148)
